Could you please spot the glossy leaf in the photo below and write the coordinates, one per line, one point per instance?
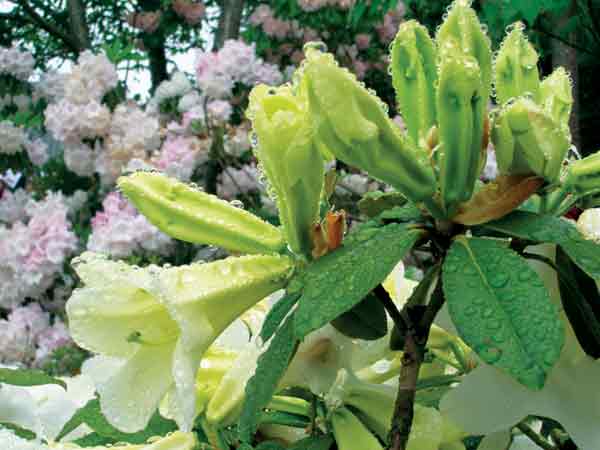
(494, 298)
(270, 368)
(542, 228)
(277, 313)
(367, 320)
(581, 302)
(341, 279)
(92, 416)
(374, 203)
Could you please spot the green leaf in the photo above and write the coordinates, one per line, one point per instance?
(283, 418)
(91, 415)
(341, 279)
(20, 432)
(366, 320)
(314, 443)
(502, 309)
(374, 203)
(530, 9)
(277, 313)
(542, 228)
(581, 302)
(93, 440)
(271, 366)
(28, 377)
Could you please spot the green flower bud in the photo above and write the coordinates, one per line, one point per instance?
(461, 32)
(350, 433)
(516, 67)
(461, 116)
(583, 176)
(290, 158)
(414, 74)
(191, 215)
(528, 141)
(354, 125)
(557, 96)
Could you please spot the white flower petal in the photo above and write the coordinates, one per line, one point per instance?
(133, 393)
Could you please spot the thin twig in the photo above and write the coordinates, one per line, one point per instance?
(536, 438)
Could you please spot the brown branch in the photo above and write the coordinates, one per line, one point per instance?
(49, 27)
(417, 333)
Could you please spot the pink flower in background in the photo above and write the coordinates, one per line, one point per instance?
(32, 253)
(192, 12)
(363, 41)
(120, 231)
(37, 150)
(360, 68)
(179, 156)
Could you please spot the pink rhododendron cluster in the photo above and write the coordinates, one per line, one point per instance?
(33, 252)
(313, 5)
(15, 62)
(180, 155)
(236, 62)
(27, 337)
(120, 231)
(234, 182)
(191, 11)
(91, 78)
(264, 17)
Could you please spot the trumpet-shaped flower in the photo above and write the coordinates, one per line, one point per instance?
(152, 326)
(374, 404)
(44, 409)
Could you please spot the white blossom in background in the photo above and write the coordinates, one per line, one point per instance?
(177, 86)
(236, 62)
(12, 205)
(236, 143)
(71, 122)
(588, 224)
(15, 62)
(12, 138)
(37, 150)
(120, 231)
(188, 101)
(51, 86)
(33, 252)
(80, 158)
(90, 79)
(133, 134)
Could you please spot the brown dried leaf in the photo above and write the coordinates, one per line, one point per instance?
(497, 199)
